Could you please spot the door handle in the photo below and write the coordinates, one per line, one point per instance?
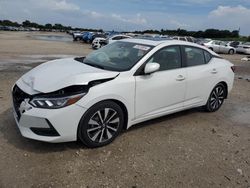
(214, 71)
(180, 78)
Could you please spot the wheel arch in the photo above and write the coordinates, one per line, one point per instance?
(226, 87)
(124, 109)
(118, 102)
(231, 49)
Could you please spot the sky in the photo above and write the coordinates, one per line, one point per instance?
(130, 15)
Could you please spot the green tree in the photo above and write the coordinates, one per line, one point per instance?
(26, 23)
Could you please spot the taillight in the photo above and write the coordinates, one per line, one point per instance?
(233, 68)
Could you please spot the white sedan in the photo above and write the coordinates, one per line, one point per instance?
(220, 47)
(244, 48)
(93, 98)
(99, 42)
(115, 38)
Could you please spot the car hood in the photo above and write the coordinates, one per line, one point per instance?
(61, 73)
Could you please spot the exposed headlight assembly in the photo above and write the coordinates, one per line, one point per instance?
(63, 97)
(60, 98)
(55, 103)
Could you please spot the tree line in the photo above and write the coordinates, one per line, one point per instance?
(209, 33)
(47, 27)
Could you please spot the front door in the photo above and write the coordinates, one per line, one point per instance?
(163, 90)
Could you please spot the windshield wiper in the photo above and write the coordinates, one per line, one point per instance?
(94, 65)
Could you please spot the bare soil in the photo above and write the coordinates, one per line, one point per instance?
(187, 149)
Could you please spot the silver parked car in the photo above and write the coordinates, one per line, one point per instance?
(220, 47)
(188, 39)
(244, 48)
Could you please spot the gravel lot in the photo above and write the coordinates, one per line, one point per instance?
(188, 149)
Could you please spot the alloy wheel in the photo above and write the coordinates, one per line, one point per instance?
(103, 125)
(217, 98)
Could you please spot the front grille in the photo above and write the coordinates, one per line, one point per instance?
(18, 97)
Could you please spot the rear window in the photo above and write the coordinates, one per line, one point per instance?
(189, 39)
(208, 56)
(182, 38)
(194, 56)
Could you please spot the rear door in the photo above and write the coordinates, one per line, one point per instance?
(216, 46)
(201, 75)
(223, 47)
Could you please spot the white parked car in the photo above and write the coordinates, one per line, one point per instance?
(117, 37)
(124, 83)
(188, 39)
(244, 48)
(77, 36)
(99, 42)
(220, 47)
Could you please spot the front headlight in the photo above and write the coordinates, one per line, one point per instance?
(55, 102)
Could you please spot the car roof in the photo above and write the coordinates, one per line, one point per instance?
(152, 42)
(156, 42)
(117, 35)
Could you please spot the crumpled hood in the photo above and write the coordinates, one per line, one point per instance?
(61, 73)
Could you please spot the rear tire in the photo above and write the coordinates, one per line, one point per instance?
(216, 98)
(231, 52)
(101, 124)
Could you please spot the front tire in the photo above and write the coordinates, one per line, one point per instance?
(216, 98)
(101, 124)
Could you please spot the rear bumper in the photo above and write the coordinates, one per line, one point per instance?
(242, 50)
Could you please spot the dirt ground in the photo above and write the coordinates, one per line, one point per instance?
(188, 149)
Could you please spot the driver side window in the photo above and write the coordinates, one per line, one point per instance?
(168, 58)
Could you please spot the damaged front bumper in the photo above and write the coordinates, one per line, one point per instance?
(49, 125)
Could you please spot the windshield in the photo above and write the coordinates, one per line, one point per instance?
(117, 56)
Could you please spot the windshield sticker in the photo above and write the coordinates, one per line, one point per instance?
(141, 47)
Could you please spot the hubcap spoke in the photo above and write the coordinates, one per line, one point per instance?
(93, 129)
(113, 129)
(93, 122)
(221, 93)
(100, 140)
(108, 134)
(214, 105)
(111, 116)
(100, 116)
(116, 120)
(213, 102)
(106, 112)
(96, 135)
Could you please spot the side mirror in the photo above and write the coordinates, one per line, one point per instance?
(151, 68)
